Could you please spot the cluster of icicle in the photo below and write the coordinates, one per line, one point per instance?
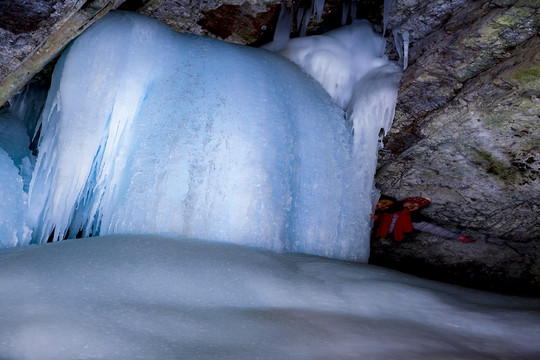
(314, 10)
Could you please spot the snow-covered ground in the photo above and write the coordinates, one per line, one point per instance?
(144, 297)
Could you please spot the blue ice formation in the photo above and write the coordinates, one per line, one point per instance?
(147, 131)
(16, 163)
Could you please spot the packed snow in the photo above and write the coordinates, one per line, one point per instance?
(144, 297)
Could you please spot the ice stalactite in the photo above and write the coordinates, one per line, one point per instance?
(345, 11)
(386, 13)
(401, 43)
(318, 7)
(302, 14)
(405, 49)
(348, 10)
(16, 164)
(305, 21)
(283, 28)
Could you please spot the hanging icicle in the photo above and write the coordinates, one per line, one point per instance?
(305, 21)
(401, 43)
(283, 28)
(354, 6)
(299, 18)
(386, 14)
(398, 43)
(345, 11)
(405, 48)
(318, 7)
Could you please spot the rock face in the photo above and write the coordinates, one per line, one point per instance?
(466, 135)
(32, 32)
(466, 132)
(236, 21)
(250, 22)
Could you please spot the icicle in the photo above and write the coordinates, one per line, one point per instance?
(305, 22)
(401, 43)
(354, 6)
(405, 48)
(283, 28)
(318, 7)
(386, 13)
(345, 12)
(299, 17)
(398, 43)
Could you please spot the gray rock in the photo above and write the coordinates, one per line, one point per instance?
(33, 32)
(466, 134)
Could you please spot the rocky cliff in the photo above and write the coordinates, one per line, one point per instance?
(466, 132)
(466, 135)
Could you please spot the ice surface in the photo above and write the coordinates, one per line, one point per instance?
(27, 104)
(135, 297)
(349, 63)
(339, 59)
(16, 164)
(146, 131)
(13, 200)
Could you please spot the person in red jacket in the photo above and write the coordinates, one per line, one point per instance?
(400, 223)
(384, 205)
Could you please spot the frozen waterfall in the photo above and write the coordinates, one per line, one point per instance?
(147, 131)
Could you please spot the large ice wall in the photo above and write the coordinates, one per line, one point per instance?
(147, 131)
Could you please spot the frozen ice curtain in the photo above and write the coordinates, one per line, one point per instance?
(147, 131)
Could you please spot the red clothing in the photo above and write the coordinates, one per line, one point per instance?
(403, 224)
(400, 223)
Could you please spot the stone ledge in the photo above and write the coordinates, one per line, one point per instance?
(69, 26)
